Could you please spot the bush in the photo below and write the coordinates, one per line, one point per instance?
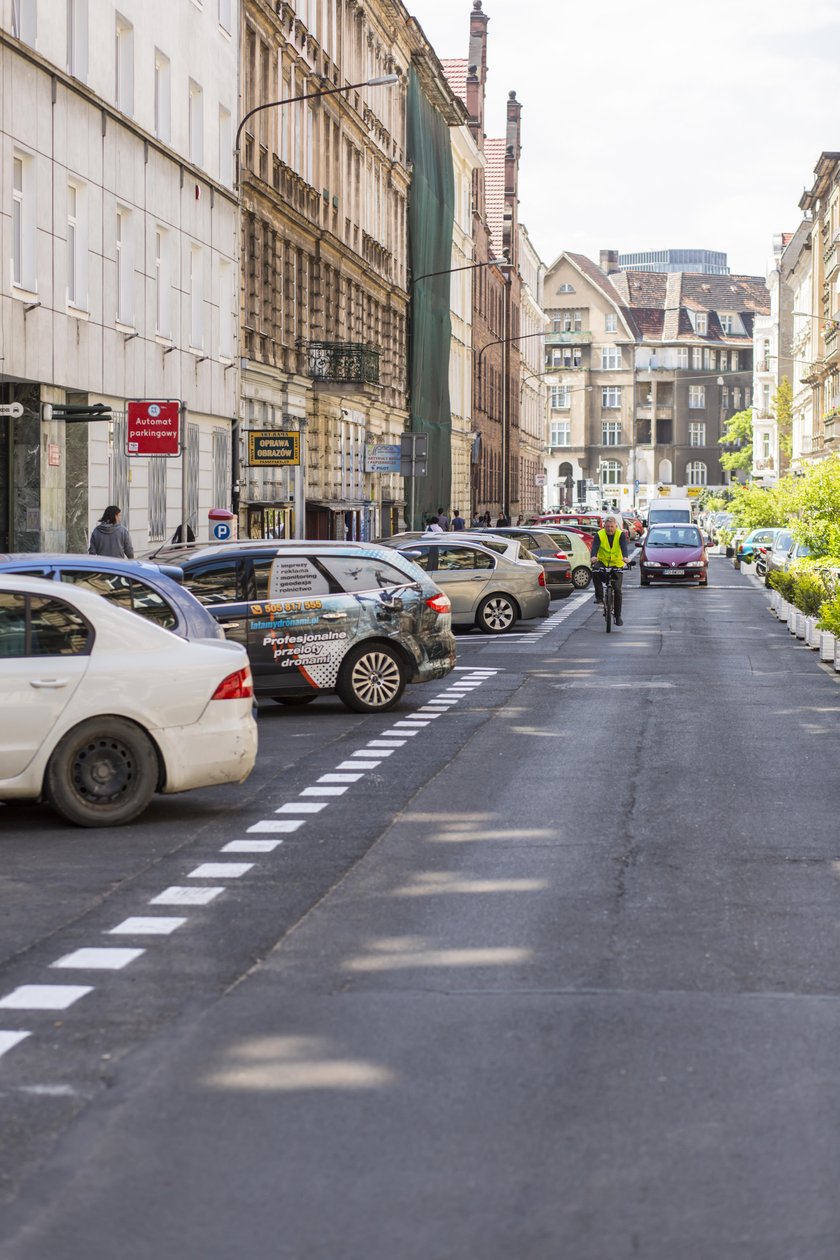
(808, 591)
(782, 582)
(830, 615)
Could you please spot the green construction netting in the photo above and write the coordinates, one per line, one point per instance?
(431, 217)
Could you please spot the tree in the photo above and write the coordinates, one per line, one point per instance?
(818, 508)
(783, 408)
(737, 442)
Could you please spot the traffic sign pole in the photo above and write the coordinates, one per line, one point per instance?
(182, 412)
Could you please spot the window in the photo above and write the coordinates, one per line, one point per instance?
(460, 558)
(733, 361)
(724, 396)
(610, 473)
(215, 582)
(25, 21)
(610, 358)
(565, 288)
(76, 246)
(24, 217)
(37, 625)
(124, 66)
(746, 397)
(697, 396)
(682, 357)
(696, 433)
(736, 398)
(695, 473)
(225, 20)
(696, 358)
(561, 397)
(196, 297)
(77, 38)
(561, 433)
(610, 323)
(568, 321)
(765, 404)
(701, 323)
(226, 325)
(163, 107)
(196, 124)
(221, 464)
(611, 433)
(125, 269)
(566, 357)
(125, 592)
(765, 445)
(726, 323)
(225, 147)
(611, 396)
(163, 284)
(357, 573)
(709, 360)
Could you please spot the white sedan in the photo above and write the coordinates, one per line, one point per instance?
(100, 709)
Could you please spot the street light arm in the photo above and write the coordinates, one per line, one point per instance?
(448, 271)
(505, 341)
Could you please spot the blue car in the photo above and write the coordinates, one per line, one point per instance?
(153, 591)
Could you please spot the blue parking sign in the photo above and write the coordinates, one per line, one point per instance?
(221, 531)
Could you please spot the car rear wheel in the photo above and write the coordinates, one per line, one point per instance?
(496, 614)
(371, 679)
(102, 774)
(295, 700)
(581, 577)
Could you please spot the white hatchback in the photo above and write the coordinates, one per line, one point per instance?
(100, 709)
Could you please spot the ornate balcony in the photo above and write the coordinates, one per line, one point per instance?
(343, 363)
(558, 338)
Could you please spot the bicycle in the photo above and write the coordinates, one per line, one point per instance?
(609, 573)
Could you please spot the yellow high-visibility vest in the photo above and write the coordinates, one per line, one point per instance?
(610, 553)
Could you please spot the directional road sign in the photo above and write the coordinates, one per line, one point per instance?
(11, 409)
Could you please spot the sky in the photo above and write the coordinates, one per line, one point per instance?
(661, 124)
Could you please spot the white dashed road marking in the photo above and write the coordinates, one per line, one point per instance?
(302, 807)
(160, 926)
(338, 778)
(10, 1038)
(324, 791)
(220, 870)
(44, 997)
(276, 825)
(98, 959)
(179, 896)
(251, 846)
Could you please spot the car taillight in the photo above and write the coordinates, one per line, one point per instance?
(238, 686)
(560, 555)
(541, 578)
(439, 603)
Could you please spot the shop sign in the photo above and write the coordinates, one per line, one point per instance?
(273, 448)
(382, 457)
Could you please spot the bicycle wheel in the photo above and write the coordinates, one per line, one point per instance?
(608, 605)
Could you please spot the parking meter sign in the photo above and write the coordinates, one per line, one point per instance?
(153, 427)
(221, 531)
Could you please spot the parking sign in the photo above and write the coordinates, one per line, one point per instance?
(153, 427)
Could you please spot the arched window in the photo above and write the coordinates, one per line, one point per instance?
(695, 473)
(665, 476)
(610, 472)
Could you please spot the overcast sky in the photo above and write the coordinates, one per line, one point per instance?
(661, 124)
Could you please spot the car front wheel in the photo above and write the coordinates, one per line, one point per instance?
(371, 679)
(496, 614)
(581, 577)
(102, 774)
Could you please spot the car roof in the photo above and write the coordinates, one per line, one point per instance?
(187, 551)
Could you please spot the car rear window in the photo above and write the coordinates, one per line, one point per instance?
(35, 625)
(126, 592)
(363, 573)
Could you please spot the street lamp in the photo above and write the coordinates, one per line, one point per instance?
(448, 271)
(383, 80)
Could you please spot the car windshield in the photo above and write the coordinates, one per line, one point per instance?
(674, 537)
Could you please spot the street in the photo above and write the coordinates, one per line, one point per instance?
(544, 963)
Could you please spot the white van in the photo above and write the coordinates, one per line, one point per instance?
(669, 512)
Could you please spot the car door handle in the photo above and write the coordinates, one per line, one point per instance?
(335, 616)
(230, 625)
(46, 683)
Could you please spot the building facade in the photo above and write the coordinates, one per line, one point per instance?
(645, 369)
(796, 275)
(772, 363)
(119, 226)
(821, 203)
(467, 163)
(699, 261)
(533, 395)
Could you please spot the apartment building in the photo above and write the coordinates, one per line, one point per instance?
(120, 227)
(772, 363)
(533, 432)
(646, 368)
(797, 276)
(821, 203)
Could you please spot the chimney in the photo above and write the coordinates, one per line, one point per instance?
(513, 148)
(477, 72)
(609, 261)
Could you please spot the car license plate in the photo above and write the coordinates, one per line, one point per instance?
(675, 573)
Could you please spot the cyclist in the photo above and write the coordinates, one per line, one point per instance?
(610, 546)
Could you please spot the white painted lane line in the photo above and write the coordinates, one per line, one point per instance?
(10, 1038)
(411, 722)
(98, 959)
(373, 752)
(251, 846)
(177, 895)
(324, 791)
(302, 807)
(339, 778)
(45, 997)
(478, 669)
(276, 826)
(386, 743)
(220, 870)
(358, 765)
(149, 926)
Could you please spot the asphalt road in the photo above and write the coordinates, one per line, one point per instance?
(552, 973)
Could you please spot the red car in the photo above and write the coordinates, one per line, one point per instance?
(674, 553)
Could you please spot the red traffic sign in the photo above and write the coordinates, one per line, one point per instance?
(153, 427)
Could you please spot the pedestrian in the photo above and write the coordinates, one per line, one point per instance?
(442, 519)
(433, 527)
(110, 538)
(458, 521)
(477, 521)
(503, 520)
(178, 536)
(486, 519)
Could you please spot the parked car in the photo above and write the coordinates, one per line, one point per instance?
(486, 589)
(101, 710)
(153, 591)
(544, 541)
(784, 552)
(320, 617)
(514, 544)
(674, 553)
(746, 549)
(591, 521)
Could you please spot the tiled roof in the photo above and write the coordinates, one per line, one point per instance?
(594, 273)
(725, 293)
(494, 184)
(455, 69)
